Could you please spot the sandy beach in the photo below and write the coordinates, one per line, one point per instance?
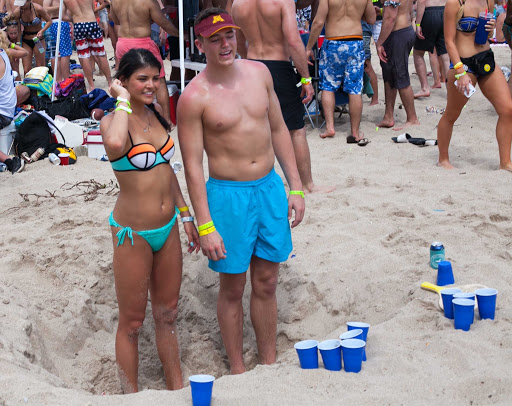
(360, 254)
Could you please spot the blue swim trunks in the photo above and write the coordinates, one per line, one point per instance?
(342, 65)
(65, 39)
(252, 219)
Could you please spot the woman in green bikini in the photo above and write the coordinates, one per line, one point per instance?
(147, 248)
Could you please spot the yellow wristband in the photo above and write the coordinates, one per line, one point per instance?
(297, 192)
(123, 100)
(124, 108)
(458, 65)
(306, 81)
(207, 231)
(183, 209)
(459, 75)
(205, 226)
(418, 25)
(12, 46)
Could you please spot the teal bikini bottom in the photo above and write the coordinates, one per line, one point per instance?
(155, 238)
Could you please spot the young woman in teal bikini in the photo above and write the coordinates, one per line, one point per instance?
(472, 63)
(147, 248)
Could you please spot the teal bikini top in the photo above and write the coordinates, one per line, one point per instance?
(143, 157)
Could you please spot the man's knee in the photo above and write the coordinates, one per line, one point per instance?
(232, 287)
(300, 133)
(264, 286)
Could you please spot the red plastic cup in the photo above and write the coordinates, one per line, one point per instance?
(64, 158)
(320, 41)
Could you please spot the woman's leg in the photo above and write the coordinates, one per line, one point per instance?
(132, 269)
(26, 60)
(40, 56)
(165, 286)
(494, 87)
(454, 104)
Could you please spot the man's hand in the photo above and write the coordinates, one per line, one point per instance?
(297, 204)
(382, 53)
(162, 37)
(212, 246)
(377, 10)
(308, 91)
(310, 56)
(419, 32)
(193, 236)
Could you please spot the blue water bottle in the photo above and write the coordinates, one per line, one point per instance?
(436, 254)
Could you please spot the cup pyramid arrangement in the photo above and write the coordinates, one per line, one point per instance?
(348, 352)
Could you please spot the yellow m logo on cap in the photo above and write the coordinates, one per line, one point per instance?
(217, 19)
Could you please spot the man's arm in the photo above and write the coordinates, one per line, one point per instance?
(113, 14)
(190, 135)
(296, 46)
(420, 10)
(283, 149)
(388, 23)
(158, 17)
(370, 15)
(318, 24)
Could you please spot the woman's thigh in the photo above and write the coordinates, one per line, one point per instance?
(132, 271)
(455, 100)
(495, 88)
(166, 274)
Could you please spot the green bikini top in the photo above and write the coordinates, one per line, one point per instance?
(143, 157)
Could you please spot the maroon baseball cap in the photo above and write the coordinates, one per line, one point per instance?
(213, 24)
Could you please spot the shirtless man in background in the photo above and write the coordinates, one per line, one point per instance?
(65, 46)
(88, 38)
(342, 59)
(134, 19)
(394, 46)
(270, 28)
(231, 112)
(430, 36)
(507, 33)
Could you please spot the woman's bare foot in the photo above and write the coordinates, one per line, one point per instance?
(406, 124)
(436, 85)
(327, 133)
(422, 93)
(507, 167)
(445, 165)
(374, 101)
(319, 189)
(386, 123)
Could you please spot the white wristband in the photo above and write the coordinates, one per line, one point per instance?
(187, 219)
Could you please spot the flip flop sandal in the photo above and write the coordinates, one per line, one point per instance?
(352, 140)
(402, 138)
(417, 141)
(363, 142)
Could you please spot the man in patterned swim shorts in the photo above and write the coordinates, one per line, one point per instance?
(342, 58)
(65, 46)
(88, 38)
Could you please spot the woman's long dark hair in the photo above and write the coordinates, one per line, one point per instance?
(133, 60)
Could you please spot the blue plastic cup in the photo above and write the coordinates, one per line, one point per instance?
(352, 350)
(201, 386)
(353, 325)
(355, 333)
(308, 353)
(463, 313)
(486, 302)
(331, 354)
(445, 273)
(481, 33)
(447, 296)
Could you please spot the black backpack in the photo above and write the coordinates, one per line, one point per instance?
(32, 134)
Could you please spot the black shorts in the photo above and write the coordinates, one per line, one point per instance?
(285, 85)
(4, 121)
(398, 48)
(432, 26)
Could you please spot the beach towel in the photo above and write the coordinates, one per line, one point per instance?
(43, 87)
(36, 74)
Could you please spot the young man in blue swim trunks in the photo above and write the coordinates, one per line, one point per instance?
(230, 110)
(342, 58)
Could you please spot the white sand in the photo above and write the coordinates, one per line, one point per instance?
(361, 255)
